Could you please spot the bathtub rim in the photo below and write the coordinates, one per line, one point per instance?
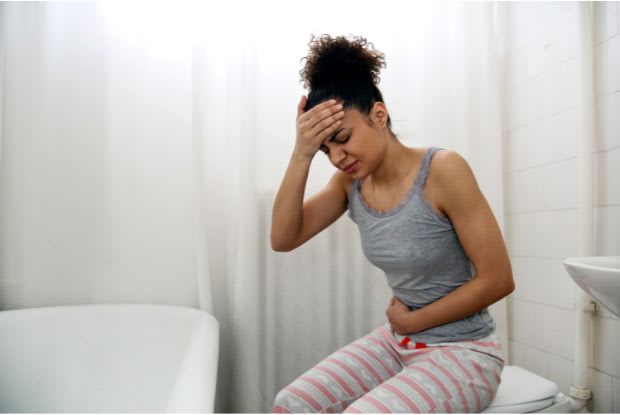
(202, 321)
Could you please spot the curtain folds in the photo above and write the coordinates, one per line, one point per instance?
(141, 147)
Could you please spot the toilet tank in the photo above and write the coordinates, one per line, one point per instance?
(108, 358)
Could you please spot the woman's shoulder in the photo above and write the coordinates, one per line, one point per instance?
(342, 181)
(442, 158)
(451, 176)
(449, 164)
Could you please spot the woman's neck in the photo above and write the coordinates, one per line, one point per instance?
(394, 167)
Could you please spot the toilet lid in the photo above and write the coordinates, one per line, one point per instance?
(521, 387)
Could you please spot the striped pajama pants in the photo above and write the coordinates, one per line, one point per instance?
(382, 373)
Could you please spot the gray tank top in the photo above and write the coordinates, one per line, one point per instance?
(421, 256)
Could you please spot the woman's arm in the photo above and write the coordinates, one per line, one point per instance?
(293, 221)
(480, 236)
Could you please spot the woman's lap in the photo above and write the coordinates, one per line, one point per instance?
(375, 374)
(444, 380)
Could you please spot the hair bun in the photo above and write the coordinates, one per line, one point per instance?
(335, 60)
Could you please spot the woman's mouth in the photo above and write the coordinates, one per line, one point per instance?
(350, 168)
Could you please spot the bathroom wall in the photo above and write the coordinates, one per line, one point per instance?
(541, 167)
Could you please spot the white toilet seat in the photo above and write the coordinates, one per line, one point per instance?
(522, 391)
(522, 408)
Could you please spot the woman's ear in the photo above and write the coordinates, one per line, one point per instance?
(379, 114)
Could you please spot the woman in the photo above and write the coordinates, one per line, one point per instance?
(423, 220)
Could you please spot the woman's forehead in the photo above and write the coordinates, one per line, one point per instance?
(352, 114)
(351, 117)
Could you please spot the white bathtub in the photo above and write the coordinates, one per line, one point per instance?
(108, 358)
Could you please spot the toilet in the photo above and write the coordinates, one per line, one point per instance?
(522, 391)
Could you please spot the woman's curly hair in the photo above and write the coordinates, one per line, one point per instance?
(331, 59)
(344, 68)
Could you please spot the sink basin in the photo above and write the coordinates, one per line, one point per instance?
(599, 276)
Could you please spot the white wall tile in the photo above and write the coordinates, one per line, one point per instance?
(557, 139)
(528, 358)
(532, 56)
(546, 328)
(606, 335)
(543, 281)
(521, 19)
(542, 143)
(566, 140)
(554, 330)
(517, 62)
(529, 101)
(605, 20)
(540, 51)
(517, 148)
(546, 141)
(520, 317)
(556, 233)
(520, 234)
(602, 395)
(525, 191)
(607, 67)
(564, 32)
(607, 171)
(531, 189)
(608, 121)
(544, 41)
(560, 289)
(560, 371)
(530, 276)
(607, 230)
(561, 184)
(526, 16)
(543, 139)
(558, 88)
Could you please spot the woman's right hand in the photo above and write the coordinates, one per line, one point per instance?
(315, 125)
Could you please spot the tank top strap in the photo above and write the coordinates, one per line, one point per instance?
(426, 165)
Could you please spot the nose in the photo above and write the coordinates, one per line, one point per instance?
(336, 155)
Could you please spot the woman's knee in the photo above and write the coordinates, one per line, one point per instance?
(286, 402)
(311, 395)
(295, 399)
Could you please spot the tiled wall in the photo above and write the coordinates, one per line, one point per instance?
(541, 175)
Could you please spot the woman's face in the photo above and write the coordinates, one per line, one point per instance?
(357, 148)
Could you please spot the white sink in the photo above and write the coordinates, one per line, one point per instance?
(599, 276)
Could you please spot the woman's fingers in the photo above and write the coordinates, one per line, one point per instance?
(328, 125)
(301, 105)
(325, 117)
(317, 113)
(321, 120)
(317, 124)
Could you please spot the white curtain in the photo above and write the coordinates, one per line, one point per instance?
(141, 146)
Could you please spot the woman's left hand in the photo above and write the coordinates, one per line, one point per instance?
(397, 313)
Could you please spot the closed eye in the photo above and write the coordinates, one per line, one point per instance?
(325, 149)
